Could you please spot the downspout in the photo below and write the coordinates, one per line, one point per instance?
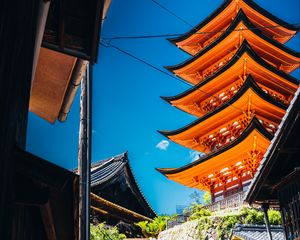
(84, 154)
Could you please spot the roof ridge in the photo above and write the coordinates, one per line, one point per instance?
(106, 160)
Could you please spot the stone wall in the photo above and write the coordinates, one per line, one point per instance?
(186, 231)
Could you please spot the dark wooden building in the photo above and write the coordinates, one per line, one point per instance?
(112, 179)
(277, 181)
(44, 47)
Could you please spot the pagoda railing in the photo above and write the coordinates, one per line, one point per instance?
(233, 201)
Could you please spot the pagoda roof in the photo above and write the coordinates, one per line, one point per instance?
(113, 180)
(236, 105)
(244, 48)
(289, 54)
(227, 5)
(224, 157)
(288, 82)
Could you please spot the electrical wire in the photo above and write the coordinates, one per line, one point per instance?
(196, 33)
(172, 13)
(108, 45)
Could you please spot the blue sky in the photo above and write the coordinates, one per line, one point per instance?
(127, 109)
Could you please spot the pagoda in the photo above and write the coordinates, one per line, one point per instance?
(241, 88)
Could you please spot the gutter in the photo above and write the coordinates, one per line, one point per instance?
(77, 75)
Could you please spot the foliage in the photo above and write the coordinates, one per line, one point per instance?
(153, 228)
(252, 216)
(274, 217)
(220, 225)
(207, 198)
(198, 212)
(103, 232)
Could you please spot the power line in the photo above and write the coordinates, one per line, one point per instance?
(108, 45)
(197, 33)
(172, 13)
(226, 30)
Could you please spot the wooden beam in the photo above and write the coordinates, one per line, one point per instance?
(48, 221)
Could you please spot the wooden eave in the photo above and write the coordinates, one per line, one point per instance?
(263, 105)
(52, 190)
(281, 158)
(73, 28)
(116, 171)
(267, 48)
(225, 157)
(52, 77)
(221, 18)
(107, 208)
(263, 73)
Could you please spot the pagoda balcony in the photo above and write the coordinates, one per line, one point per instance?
(228, 133)
(227, 93)
(219, 98)
(199, 76)
(195, 48)
(233, 201)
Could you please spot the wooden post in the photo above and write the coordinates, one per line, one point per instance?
(18, 21)
(265, 208)
(84, 154)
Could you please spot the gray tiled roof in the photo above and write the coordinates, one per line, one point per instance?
(106, 171)
(103, 170)
(257, 232)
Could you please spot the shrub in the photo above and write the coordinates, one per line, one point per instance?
(103, 232)
(274, 217)
(153, 228)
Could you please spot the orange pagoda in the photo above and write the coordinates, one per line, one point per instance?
(241, 89)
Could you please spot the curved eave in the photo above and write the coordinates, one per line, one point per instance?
(201, 24)
(254, 124)
(249, 83)
(123, 167)
(244, 48)
(270, 16)
(241, 17)
(222, 7)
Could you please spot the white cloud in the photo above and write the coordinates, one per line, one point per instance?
(194, 155)
(163, 145)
